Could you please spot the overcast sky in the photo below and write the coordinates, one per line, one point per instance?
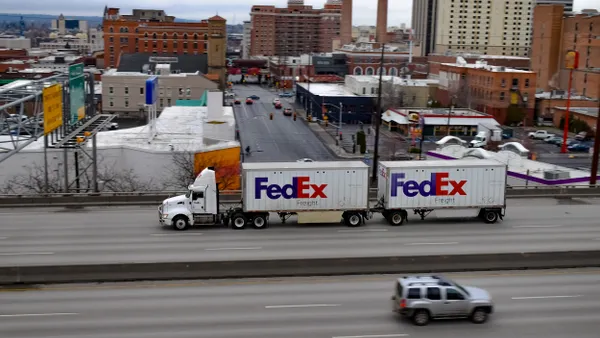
(235, 11)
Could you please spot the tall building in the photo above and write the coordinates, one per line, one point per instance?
(295, 30)
(153, 31)
(556, 33)
(498, 27)
(382, 13)
(567, 3)
(63, 25)
(424, 20)
(346, 24)
(247, 34)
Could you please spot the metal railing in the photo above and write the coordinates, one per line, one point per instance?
(233, 196)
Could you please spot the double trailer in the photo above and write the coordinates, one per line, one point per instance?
(327, 192)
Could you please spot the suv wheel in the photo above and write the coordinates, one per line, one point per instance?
(421, 317)
(479, 316)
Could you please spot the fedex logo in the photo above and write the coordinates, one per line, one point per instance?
(438, 185)
(300, 188)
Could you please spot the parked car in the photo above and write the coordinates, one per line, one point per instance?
(287, 112)
(249, 100)
(579, 147)
(286, 94)
(582, 136)
(554, 140)
(570, 141)
(539, 134)
(254, 97)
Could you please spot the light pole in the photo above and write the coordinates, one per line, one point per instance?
(596, 149)
(378, 115)
(340, 120)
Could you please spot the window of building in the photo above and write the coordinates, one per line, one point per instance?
(180, 91)
(185, 36)
(515, 82)
(501, 96)
(111, 103)
(126, 90)
(168, 102)
(188, 91)
(526, 83)
(111, 90)
(175, 36)
(195, 45)
(185, 45)
(161, 102)
(126, 103)
(141, 90)
(503, 83)
(154, 36)
(195, 36)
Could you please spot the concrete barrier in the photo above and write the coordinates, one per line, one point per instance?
(297, 267)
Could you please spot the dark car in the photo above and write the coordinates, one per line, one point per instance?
(287, 112)
(570, 142)
(582, 147)
(254, 97)
(286, 94)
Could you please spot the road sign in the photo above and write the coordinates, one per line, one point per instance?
(77, 92)
(53, 108)
(151, 90)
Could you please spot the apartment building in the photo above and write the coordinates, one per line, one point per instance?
(490, 89)
(568, 4)
(153, 31)
(498, 27)
(247, 34)
(556, 33)
(424, 21)
(123, 92)
(296, 29)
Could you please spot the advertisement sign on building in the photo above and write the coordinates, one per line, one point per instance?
(151, 90)
(76, 92)
(53, 108)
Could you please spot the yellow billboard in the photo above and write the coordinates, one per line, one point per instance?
(53, 108)
(226, 163)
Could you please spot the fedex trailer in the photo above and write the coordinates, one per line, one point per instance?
(317, 192)
(424, 186)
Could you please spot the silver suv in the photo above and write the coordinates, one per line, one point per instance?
(423, 298)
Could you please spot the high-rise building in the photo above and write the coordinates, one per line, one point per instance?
(424, 20)
(153, 31)
(382, 13)
(247, 34)
(296, 29)
(556, 33)
(498, 27)
(567, 3)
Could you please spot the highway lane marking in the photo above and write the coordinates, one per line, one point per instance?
(432, 243)
(25, 253)
(178, 235)
(299, 306)
(376, 336)
(221, 249)
(545, 297)
(3, 237)
(40, 314)
(537, 226)
(365, 230)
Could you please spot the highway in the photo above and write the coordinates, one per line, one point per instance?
(88, 236)
(280, 139)
(549, 304)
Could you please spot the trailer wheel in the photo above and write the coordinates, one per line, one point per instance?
(490, 216)
(395, 218)
(239, 222)
(259, 222)
(180, 223)
(353, 219)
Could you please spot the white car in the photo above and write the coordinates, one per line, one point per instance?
(305, 160)
(276, 101)
(540, 134)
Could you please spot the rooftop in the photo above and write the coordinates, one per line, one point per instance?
(482, 64)
(589, 111)
(327, 89)
(184, 63)
(373, 79)
(116, 72)
(560, 95)
(481, 56)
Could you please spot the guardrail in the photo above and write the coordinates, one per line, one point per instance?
(234, 196)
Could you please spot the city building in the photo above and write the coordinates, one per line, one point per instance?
(498, 27)
(424, 21)
(7, 77)
(435, 60)
(96, 39)
(306, 66)
(247, 35)
(14, 42)
(78, 43)
(123, 92)
(494, 90)
(589, 115)
(147, 62)
(325, 99)
(64, 26)
(567, 3)
(153, 31)
(366, 60)
(556, 33)
(296, 29)
(58, 61)
(547, 101)
(395, 90)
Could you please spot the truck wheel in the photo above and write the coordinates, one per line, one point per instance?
(395, 218)
(490, 216)
(180, 223)
(239, 222)
(259, 222)
(353, 219)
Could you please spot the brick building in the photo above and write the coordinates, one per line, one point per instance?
(368, 62)
(554, 34)
(152, 31)
(296, 29)
(490, 89)
(435, 60)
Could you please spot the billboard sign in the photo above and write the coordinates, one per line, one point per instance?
(151, 90)
(76, 92)
(53, 108)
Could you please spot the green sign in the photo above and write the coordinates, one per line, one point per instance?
(77, 92)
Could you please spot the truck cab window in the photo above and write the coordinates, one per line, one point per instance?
(197, 195)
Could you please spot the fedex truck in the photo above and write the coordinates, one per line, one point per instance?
(317, 192)
(424, 186)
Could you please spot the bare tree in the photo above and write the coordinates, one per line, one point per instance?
(125, 181)
(392, 95)
(459, 92)
(187, 165)
(32, 181)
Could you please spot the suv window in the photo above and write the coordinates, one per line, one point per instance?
(452, 294)
(399, 289)
(434, 294)
(414, 293)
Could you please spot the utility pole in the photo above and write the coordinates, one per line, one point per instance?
(378, 116)
(594, 172)
(340, 120)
